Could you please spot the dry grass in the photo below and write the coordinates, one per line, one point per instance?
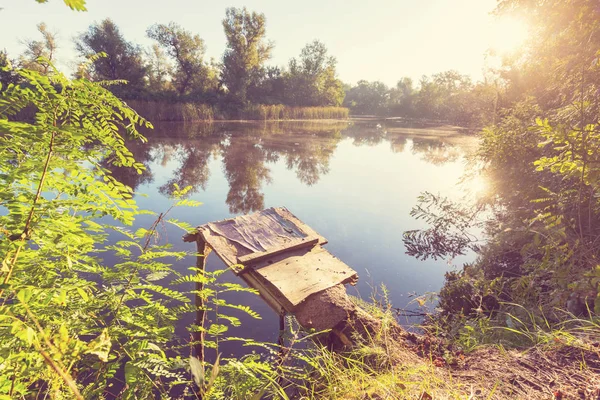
(392, 364)
(157, 111)
(282, 112)
(168, 111)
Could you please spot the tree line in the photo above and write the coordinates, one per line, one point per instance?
(447, 96)
(174, 69)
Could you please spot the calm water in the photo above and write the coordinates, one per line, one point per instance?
(353, 183)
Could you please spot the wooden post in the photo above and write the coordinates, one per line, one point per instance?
(280, 340)
(203, 251)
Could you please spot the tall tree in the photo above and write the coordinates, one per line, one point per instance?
(36, 49)
(312, 78)
(246, 52)
(123, 59)
(401, 98)
(159, 69)
(368, 98)
(191, 74)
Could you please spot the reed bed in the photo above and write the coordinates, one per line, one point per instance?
(282, 112)
(157, 111)
(168, 111)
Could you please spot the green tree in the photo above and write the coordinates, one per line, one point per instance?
(40, 53)
(368, 98)
(541, 161)
(311, 79)
(123, 59)
(160, 69)
(246, 52)
(191, 74)
(401, 101)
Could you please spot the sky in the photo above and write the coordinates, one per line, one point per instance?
(372, 39)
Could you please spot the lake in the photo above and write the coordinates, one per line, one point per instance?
(353, 182)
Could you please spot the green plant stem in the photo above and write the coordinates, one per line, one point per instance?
(31, 212)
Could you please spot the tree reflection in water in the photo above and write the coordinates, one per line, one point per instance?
(247, 149)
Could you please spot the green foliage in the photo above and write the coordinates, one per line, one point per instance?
(77, 5)
(445, 97)
(542, 211)
(7, 75)
(448, 234)
(71, 326)
(169, 111)
(123, 60)
(311, 79)
(246, 51)
(159, 69)
(187, 51)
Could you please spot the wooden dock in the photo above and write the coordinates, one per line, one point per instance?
(276, 254)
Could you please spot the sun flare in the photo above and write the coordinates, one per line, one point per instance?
(507, 35)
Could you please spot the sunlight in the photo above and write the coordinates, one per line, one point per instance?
(477, 186)
(507, 34)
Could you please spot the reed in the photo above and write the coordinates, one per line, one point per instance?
(282, 112)
(169, 111)
(157, 111)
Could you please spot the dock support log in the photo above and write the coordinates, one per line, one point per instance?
(203, 251)
(332, 309)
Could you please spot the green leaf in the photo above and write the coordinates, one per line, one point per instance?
(197, 371)
(4, 266)
(83, 294)
(101, 347)
(131, 372)
(24, 295)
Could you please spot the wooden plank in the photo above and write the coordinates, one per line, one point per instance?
(230, 249)
(298, 274)
(256, 257)
(285, 213)
(225, 250)
(283, 256)
(272, 299)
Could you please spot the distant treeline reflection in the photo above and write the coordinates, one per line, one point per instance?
(247, 150)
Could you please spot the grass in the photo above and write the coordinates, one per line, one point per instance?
(157, 111)
(382, 366)
(169, 111)
(518, 328)
(282, 112)
(378, 367)
(385, 365)
(354, 376)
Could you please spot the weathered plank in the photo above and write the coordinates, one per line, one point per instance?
(286, 214)
(256, 257)
(300, 273)
(283, 256)
(269, 295)
(255, 233)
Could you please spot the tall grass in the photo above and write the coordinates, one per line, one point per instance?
(280, 111)
(378, 367)
(169, 111)
(157, 111)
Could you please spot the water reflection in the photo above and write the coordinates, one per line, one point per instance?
(193, 157)
(353, 183)
(244, 163)
(248, 150)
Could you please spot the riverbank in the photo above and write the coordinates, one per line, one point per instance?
(395, 364)
(157, 111)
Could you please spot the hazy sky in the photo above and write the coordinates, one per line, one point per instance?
(371, 39)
